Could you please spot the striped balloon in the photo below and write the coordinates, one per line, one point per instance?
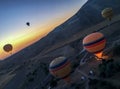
(94, 42)
(60, 67)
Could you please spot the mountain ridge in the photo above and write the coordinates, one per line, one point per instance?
(30, 61)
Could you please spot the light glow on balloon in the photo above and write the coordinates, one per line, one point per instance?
(99, 55)
(95, 43)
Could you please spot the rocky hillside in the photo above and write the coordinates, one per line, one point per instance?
(28, 68)
(89, 15)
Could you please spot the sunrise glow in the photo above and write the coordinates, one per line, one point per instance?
(35, 34)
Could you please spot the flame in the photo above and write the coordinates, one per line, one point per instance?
(99, 55)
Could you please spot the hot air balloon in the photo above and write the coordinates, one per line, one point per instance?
(107, 13)
(95, 43)
(28, 24)
(61, 68)
(8, 48)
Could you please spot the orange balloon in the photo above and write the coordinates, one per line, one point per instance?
(8, 47)
(61, 68)
(94, 42)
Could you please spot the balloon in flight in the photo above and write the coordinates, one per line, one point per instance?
(107, 13)
(61, 68)
(94, 42)
(28, 24)
(7, 47)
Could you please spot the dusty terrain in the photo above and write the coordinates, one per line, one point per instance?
(28, 69)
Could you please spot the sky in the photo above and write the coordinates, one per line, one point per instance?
(43, 15)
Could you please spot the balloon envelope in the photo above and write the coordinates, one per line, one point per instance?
(94, 42)
(8, 47)
(107, 13)
(60, 67)
(28, 23)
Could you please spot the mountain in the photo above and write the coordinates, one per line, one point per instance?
(87, 16)
(31, 64)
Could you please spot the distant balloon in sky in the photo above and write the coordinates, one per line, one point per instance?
(8, 48)
(61, 68)
(107, 13)
(28, 24)
(94, 43)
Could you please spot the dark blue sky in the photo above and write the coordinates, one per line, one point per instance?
(42, 15)
(14, 13)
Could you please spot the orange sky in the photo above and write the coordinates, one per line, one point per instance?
(22, 41)
(43, 15)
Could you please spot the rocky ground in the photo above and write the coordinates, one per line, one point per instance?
(28, 69)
